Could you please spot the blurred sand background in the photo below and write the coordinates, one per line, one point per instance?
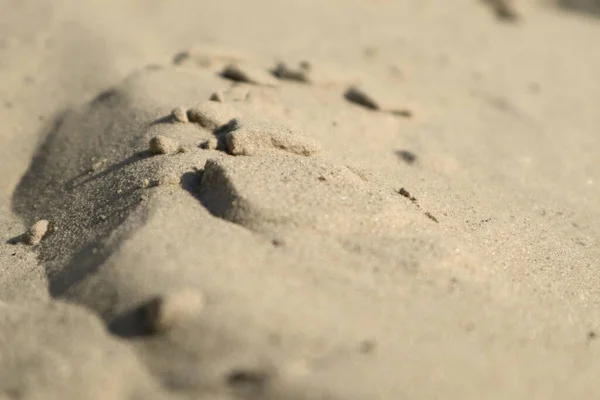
(294, 244)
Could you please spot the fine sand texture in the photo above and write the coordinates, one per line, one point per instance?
(298, 200)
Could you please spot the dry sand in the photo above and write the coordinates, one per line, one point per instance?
(343, 199)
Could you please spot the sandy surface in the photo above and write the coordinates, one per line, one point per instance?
(342, 199)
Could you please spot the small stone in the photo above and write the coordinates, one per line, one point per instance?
(172, 309)
(181, 57)
(367, 346)
(404, 112)
(36, 233)
(179, 114)
(298, 74)
(248, 74)
(405, 193)
(212, 114)
(277, 242)
(163, 145)
(377, 99)
(356, 95)
(505, 10)
(98, 165)
(407, 156)
(217, 96)
(432, 217)
(320, 75)
(210, 144)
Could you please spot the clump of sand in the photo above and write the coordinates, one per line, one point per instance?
(163, 145)
(247, 137)
(36, 233)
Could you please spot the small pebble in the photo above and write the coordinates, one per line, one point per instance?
(210, 144)
(181, 57)
(405, 193)
(170, 310)
(248, 74)
(278, 242)
(211, 114)
(299, 74)
(367, 346)
(407, 156)
(163, 145)
(98, 165)
(404, 112)
(375, 97)
(505, 10)
(432, 217)
(36, 233)
(217, 96)
(356, 95)
(179, 114)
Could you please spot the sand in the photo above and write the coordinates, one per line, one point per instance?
(351, 199)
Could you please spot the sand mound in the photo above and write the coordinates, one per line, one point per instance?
(266, 225)
(101, 211)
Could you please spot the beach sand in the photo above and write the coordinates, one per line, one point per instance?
(343, 199)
